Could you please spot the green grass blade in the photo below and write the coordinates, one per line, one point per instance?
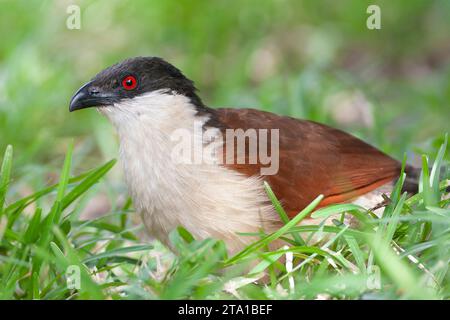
(392, 226)
(5, 175)
(266, 240)
(279, 209)
(427, 191)
(356, 251)
(26, 201)
(406, 280)
(32, 232)
(35, 284)
(396, 192)
(335, 209)
(87, 183)
(117, 252)
(65, 174)
(436, 169)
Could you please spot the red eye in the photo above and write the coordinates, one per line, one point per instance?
(129, 83)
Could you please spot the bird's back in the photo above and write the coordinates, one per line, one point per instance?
(314, 159)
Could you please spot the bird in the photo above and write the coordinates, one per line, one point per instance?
(154, 107)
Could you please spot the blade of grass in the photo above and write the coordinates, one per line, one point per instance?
(279, 209)
(392, 226)
(26, 201)
(436, 169)
(356, 251)
(5, 174)
(88, 182)
(117, 252)
(322, 248)
(89, 288)
(397, 270)
(260, 243)
(65, 173)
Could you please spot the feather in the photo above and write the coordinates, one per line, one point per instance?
(313, 159)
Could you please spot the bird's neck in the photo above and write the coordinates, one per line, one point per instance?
(159, 110)
(150, 127)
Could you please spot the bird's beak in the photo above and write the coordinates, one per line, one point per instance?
(91, 96)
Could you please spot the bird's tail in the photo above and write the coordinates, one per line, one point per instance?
(411, 184)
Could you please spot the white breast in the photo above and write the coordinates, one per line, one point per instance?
(207, 199)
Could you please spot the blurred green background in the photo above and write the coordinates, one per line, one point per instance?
(310, 59)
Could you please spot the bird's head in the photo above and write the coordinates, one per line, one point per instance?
(130, 79)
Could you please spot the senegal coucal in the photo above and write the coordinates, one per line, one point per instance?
(154, 108)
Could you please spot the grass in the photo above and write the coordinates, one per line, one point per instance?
(307, 59)
(52, 254)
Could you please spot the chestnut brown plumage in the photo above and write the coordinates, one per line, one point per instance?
(314, 159)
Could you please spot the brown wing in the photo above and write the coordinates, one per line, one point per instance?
(314, 159)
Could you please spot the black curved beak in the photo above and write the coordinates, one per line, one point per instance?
(91, 96)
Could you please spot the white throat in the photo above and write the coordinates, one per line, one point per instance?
(207, 199)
